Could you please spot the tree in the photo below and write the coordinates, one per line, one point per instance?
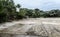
(22, 13)
(29, 13)
(36, 13)
(7, 8)
(18, 6)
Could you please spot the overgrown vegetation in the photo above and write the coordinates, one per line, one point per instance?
(8, 12)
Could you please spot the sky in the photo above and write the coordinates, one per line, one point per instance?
(40, 4)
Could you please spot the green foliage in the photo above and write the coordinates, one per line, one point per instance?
(8, 12)
(29, 13)
(18, 6)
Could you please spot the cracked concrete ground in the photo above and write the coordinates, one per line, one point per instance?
(32, 27)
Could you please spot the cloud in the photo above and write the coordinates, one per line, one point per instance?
(41, 4)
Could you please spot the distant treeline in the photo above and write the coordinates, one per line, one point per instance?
(8, 12)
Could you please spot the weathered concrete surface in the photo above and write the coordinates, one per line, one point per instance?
(16, 35)
(39, 27)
